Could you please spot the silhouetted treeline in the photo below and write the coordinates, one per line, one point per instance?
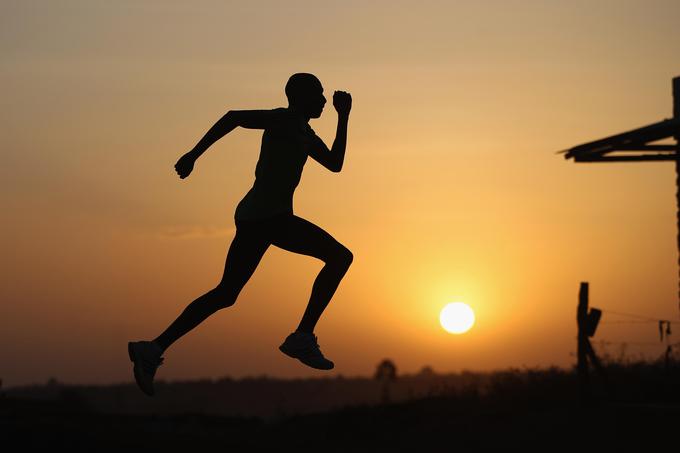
(273, 398)
(526, 408)
(262, 396)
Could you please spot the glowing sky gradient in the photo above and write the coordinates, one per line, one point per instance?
(451, 189)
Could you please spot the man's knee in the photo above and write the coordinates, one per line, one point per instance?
(344, 256)
(223, 296)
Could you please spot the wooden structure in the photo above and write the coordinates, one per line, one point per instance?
(586, 321)
(639, 145)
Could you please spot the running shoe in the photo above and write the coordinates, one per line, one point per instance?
(305, 347)
(146, 355)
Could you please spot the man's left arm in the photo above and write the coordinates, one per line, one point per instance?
(334, 158)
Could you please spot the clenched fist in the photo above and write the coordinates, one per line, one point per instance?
(185, 165)
(342, 101)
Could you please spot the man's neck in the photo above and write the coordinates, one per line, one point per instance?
(302, 117)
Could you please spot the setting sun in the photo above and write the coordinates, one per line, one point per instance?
(457, 317)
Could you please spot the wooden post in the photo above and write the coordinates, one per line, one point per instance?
(676, 115)
(582, 345)
(608, 385)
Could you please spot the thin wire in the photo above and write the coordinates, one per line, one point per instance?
(636, 343)
(630, 322)
(631, 315)
(646, 343)
(641, 317)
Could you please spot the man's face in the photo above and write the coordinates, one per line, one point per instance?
(312, 102)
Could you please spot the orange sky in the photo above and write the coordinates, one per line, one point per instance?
(451, 188)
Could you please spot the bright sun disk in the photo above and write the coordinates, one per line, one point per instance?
(457, 317)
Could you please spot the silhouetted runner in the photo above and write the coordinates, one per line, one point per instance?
(265, 216)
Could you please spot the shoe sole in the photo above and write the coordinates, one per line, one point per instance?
(292, 355)
(135, 370)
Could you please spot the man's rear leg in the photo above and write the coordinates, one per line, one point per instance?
(245, 253)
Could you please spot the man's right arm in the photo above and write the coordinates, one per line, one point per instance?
(249, 119)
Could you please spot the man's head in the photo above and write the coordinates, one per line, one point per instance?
(305, 94)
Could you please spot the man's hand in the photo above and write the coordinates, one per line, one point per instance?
(185, 164)
(342, 101)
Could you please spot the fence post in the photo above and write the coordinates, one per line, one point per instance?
(582, 345)
(676, 115)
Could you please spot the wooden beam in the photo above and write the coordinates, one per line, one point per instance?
(646, 134)
(646, 157)
(647, 148)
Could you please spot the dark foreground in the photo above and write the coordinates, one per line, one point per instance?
(530, 411)
(428, 423)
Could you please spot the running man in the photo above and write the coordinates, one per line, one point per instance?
(265, 216)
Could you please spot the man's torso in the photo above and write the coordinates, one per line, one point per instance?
(283, 154)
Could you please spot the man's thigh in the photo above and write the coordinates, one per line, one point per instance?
(245, 252)
(298, 235)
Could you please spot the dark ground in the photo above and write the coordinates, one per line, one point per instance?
(428, 423)
(530, 410)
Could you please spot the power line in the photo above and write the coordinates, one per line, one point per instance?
(634, 343)
(643, 317)
(629, 322)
